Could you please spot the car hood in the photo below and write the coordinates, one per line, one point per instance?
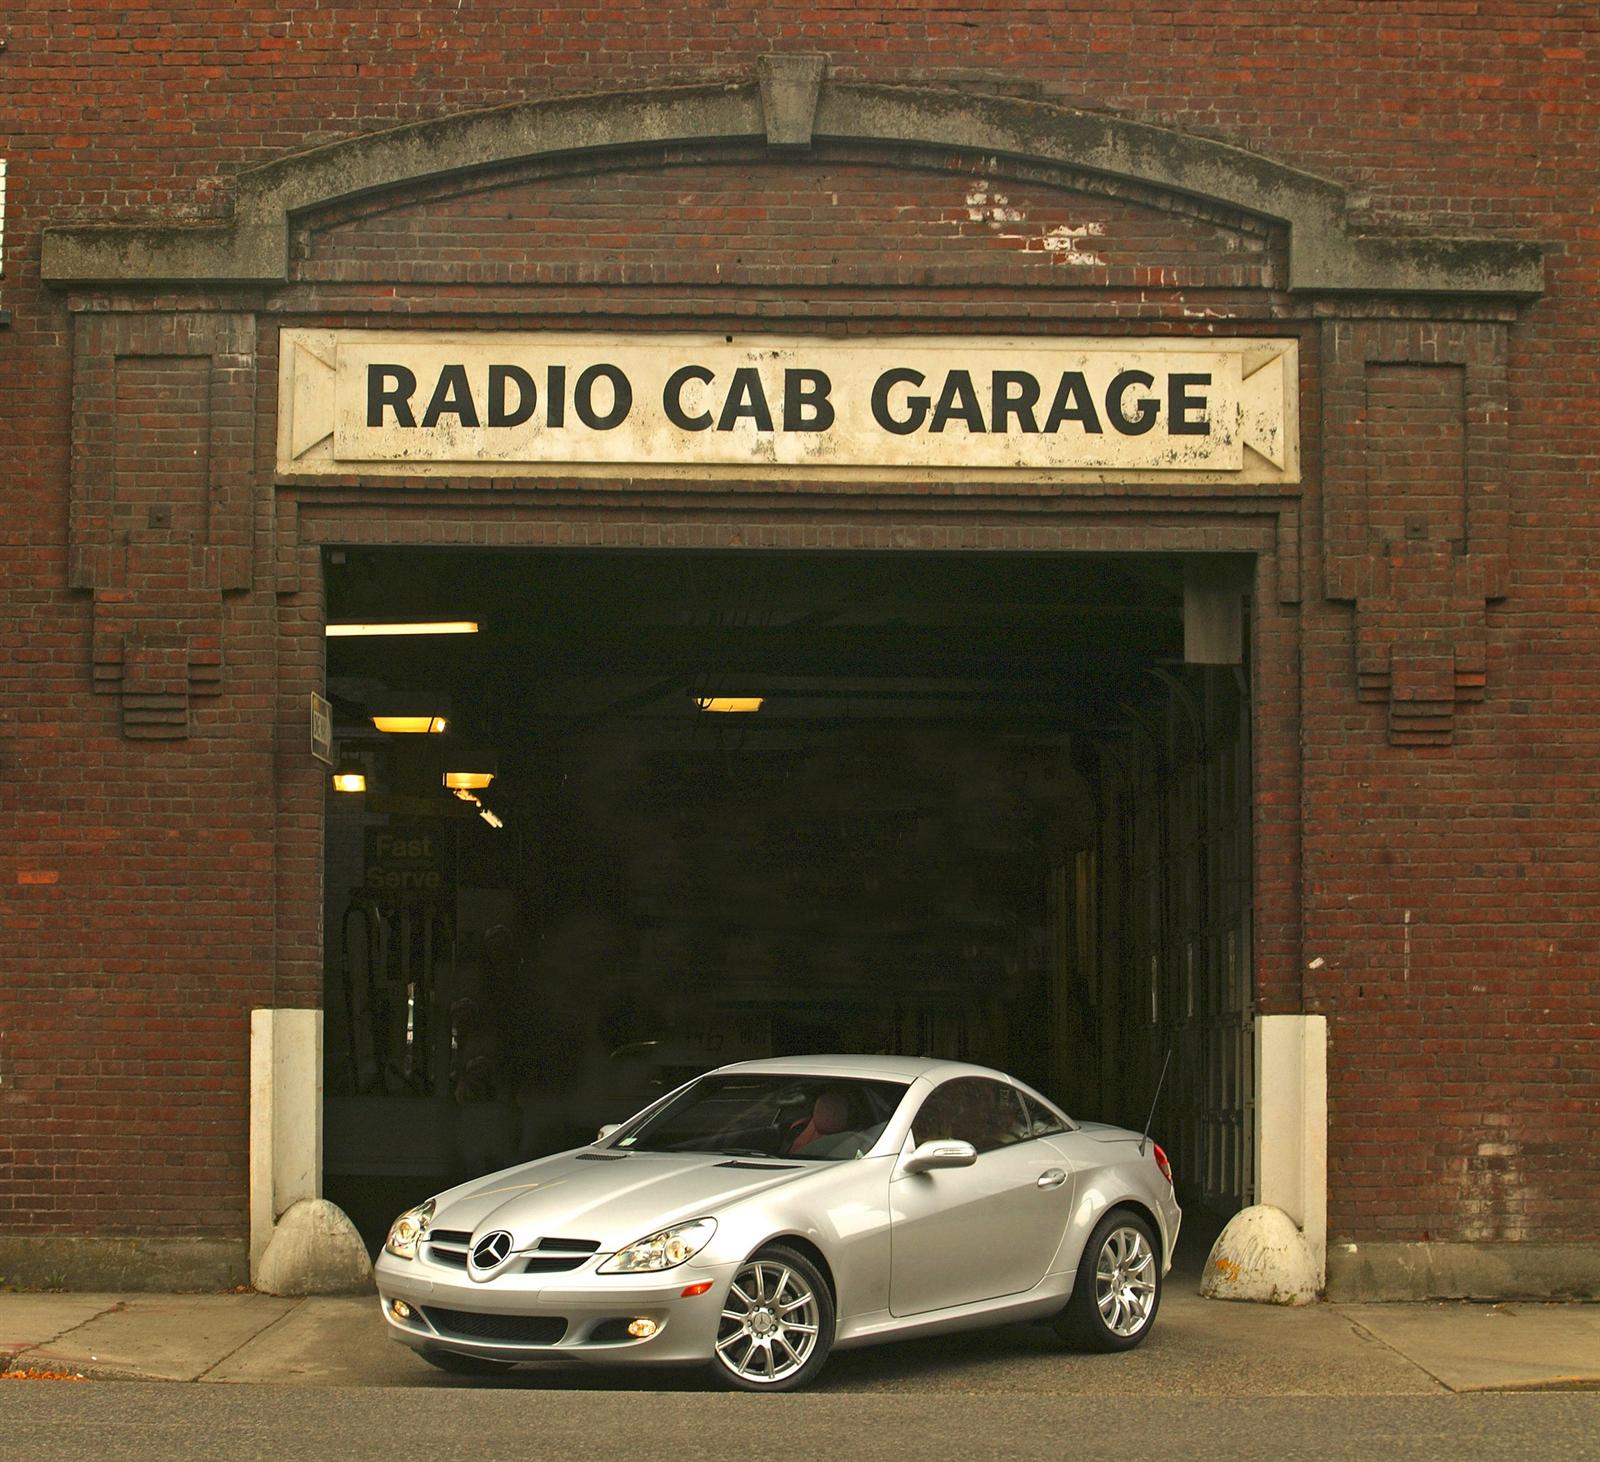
(609, 1201)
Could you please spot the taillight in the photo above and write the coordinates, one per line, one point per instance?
(1161, 1161)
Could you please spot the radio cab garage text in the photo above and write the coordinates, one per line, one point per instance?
(695, 399)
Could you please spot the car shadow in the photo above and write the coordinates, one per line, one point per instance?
(927, 1361)
(924, 1360)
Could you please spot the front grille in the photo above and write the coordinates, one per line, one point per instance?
(557, 1256)
(512, 1329)
(567, 1246)
(448, 1246)
(548, 1256)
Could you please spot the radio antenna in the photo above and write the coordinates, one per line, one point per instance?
(1145, 1137)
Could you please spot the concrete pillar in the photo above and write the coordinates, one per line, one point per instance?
(285, 1118)
(1292, 1124)
(1213, 610)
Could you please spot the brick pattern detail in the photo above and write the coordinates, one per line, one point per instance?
(1421, 642)
(161, 512)
(1414, 510)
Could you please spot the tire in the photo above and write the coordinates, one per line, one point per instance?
(1118, 1289)
(777, 1323)
(465, 1365)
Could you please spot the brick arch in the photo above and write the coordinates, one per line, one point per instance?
(789, 105)
(740, 214)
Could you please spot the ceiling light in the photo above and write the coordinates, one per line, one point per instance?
(410, 713)
(405, 627)
(468, 767)
(350, 775)
(409, 725)
(729, 703)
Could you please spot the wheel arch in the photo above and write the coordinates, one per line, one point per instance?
(1144, 1211)
(803, 1245)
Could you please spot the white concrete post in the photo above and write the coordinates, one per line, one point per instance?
(285, 1118)
(1292, 1124)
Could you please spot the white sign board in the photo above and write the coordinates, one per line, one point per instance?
(383, 402)
(321, 729)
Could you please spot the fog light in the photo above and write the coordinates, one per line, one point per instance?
(642, 1328)
(400, 1309)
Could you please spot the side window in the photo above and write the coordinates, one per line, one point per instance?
(972, 1109)
(1042, 1122)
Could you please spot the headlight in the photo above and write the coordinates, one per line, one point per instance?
(406, 1232)
(665, 1250)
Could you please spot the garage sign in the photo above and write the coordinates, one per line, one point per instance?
(507, 403)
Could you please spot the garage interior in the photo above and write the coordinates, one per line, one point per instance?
(985, 808)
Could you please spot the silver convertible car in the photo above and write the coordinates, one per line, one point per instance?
(766, 1213)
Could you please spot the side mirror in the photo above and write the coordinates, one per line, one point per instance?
(944, 1152)
(607, 1130)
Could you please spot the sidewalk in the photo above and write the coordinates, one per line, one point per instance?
(1199, 1348)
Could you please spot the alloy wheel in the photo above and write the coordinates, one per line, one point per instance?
(1124, 1281)
(770, 1323)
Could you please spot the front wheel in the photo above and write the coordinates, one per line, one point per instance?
(777, 1323)
(1118, 1289)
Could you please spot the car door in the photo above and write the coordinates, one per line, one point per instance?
(960, 1235)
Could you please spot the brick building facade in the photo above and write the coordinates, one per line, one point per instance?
(1404, 191)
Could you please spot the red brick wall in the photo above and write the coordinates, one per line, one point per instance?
(716, 218)
(151, 891)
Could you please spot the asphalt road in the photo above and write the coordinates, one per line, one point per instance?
(42, 1420)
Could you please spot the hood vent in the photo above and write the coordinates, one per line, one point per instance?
(599, 1157)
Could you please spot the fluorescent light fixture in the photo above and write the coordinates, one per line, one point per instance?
(405, 627)
(468, 765)
(410, 725)
(733, 704)
(410, 712)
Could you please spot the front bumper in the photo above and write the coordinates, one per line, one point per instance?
(581, 1315)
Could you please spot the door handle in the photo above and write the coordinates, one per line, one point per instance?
(1051, 1178)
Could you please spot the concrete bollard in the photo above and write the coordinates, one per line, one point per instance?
(315, 1249)
(1261, 1256)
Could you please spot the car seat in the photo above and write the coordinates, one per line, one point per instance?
(830, 1113)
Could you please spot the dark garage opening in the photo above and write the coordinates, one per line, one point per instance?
(985, 810)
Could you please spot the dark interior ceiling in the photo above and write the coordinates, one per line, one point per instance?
(574, 641)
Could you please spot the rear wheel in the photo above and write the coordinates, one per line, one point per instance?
(777, 1323)
(1118, 1288)
(465, 1365)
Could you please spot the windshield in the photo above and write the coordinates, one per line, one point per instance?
(807, 1118)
